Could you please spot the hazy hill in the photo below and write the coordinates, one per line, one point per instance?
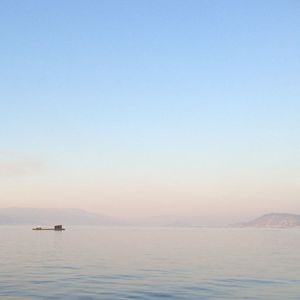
(276, 220)
(182, 221)
(71, 216)
(51, 216)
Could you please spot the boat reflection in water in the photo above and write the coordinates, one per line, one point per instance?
(55, 228)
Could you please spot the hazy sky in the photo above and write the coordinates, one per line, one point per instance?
(136, 108)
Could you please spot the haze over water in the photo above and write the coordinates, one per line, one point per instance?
(149, 263)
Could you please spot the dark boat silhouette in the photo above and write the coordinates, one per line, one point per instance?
(55, 228)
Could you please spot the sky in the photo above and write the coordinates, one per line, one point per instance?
(140, 108)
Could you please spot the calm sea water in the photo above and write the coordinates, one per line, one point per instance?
(149, 263)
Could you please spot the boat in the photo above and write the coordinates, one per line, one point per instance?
(55, 228)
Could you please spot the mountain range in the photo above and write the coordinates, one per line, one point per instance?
(273, 220)
(72, 216)
(50, 216)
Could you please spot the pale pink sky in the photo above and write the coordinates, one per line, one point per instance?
(30, 182)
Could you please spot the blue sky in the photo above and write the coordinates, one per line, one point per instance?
(136, 107)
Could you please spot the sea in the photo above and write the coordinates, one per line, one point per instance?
(94, 262)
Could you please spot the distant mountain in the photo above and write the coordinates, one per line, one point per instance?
(51, 216)
(72, 216)
(181, 221)
(170, 221)
(274, 220)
